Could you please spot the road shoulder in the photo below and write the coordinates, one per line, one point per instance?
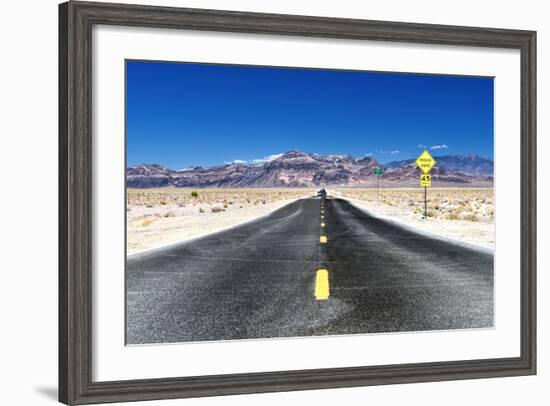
(477, 236)
(168, 232)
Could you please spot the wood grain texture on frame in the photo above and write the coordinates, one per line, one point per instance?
(75, 200)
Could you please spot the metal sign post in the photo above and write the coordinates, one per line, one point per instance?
(425, 202)
(378, 171)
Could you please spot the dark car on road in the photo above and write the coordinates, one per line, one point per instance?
(322, 193)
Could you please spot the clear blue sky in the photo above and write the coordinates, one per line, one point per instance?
(181, 115)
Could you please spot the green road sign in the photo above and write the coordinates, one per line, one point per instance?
(378, 171)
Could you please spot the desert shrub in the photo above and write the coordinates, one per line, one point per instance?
(201, 210)
(147, 221)
(216, 209)
(170, 214)
(452, 216)
(194, 194)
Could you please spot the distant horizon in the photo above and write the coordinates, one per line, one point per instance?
(182, 115)
(275, 156)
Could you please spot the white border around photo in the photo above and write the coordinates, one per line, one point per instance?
(112, 360)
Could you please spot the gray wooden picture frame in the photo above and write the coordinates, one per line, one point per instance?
(76, 20)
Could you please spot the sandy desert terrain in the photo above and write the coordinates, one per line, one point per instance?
(474, 205)
(459, 213)
(157, 217)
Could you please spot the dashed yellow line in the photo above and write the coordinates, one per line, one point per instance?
(322, 291)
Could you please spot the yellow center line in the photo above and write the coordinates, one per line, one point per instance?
(322, 224)
(321, 285)
(323, 239)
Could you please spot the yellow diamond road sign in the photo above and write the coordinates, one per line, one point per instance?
(425, 162)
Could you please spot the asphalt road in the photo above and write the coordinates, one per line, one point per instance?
(260, 280)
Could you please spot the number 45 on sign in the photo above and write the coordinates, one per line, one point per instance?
(426, 180)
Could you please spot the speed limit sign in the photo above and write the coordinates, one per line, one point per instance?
(425, 180)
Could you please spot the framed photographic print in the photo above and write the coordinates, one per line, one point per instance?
(258, 202)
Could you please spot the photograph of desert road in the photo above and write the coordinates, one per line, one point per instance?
(321, 263)
(305, 233)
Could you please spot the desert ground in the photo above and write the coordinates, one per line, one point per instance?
(465, 214)
(161, 216)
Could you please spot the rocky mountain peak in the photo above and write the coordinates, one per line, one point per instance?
(292, 155)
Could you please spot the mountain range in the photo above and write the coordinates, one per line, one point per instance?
(300, 169)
